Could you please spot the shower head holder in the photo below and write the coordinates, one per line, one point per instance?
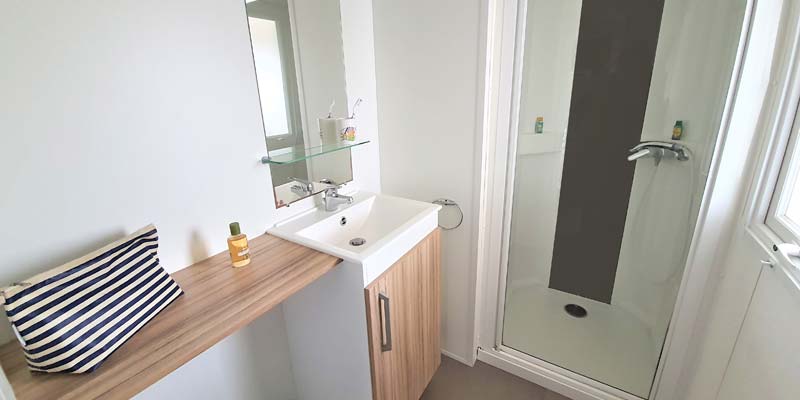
(657, 150)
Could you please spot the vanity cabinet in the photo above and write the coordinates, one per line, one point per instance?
(403, 323)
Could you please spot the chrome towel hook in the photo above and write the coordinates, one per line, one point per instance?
(450, 203)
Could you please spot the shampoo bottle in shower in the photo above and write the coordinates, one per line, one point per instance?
(677, 131)
(237, 246)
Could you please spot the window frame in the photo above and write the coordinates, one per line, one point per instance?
(788, 177)
(779, 131)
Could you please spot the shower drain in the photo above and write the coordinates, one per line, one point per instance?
(357, 241)
(575, 310)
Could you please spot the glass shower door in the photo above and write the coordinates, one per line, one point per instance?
(597, 242)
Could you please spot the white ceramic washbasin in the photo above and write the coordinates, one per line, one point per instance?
(390, 226)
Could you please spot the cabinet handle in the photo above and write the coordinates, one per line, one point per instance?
(386, 324)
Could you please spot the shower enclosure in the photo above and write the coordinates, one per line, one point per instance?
(616, 106)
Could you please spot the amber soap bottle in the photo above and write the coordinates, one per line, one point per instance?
(237, 246)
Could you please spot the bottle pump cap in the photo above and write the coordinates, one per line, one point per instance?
(235, 230)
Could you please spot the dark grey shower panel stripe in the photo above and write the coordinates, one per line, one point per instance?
(614, 64)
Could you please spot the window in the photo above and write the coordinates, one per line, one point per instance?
(784, 210)
(269, 69)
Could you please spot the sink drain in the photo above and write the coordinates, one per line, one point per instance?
(357, 241)
(575, 310)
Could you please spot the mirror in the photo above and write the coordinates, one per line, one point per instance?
(299, 65)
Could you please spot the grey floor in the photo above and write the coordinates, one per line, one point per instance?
(454, 381)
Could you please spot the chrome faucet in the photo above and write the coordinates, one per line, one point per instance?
(331, 197)
(305, 187)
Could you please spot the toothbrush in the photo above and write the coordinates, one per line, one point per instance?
(330, 109)
(355, 106)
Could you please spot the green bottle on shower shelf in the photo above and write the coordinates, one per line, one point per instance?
(677, 131)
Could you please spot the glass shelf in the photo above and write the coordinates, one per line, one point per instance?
(291, 155)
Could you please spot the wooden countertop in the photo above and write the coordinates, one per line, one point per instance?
(218, 300)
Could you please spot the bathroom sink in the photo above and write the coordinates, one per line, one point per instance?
(374, 231)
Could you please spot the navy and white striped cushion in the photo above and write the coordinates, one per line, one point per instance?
(71, 318)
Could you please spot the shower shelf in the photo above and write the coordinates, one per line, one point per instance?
(290, 155)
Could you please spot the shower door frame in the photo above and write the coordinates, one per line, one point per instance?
(505, 44)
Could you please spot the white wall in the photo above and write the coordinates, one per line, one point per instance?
(327, 332)
(253, 363)
(551, 39)
(359, 56)
(427, 64)
(118, 114)
(109, 125)
(692, 72)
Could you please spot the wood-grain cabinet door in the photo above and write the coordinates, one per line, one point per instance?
(403, 320)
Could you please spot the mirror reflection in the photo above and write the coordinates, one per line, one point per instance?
(299, 65)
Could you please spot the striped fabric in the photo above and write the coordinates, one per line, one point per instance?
(71, 318)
